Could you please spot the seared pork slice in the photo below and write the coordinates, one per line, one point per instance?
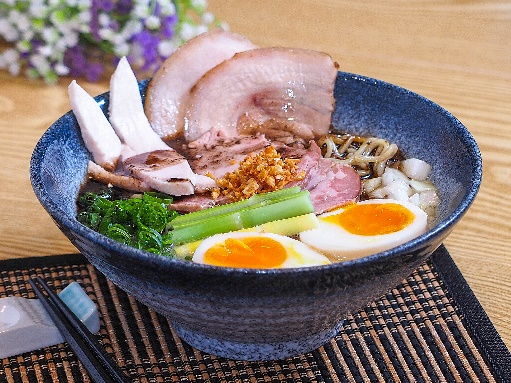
(291, 87)
(168, 172)
(97, 133)
(99, 174)
(331, 184)
(169, 89)
(127, 112)
(217, 155)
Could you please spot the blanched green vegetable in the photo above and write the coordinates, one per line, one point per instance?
(142, 222)
(257, 199)
(266, 208)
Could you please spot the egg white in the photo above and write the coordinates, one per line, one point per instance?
(339, 244)
(298, 253)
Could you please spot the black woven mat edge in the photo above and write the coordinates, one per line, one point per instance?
(476, 320)
(40, 260)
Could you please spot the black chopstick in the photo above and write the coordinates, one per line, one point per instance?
(88, 350)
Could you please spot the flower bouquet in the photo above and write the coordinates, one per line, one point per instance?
(84, 38)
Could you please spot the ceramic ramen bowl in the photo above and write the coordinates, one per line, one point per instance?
(253, 314)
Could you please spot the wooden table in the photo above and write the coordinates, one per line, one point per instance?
(457, 54)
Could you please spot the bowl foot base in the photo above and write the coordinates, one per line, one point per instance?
(251, 351)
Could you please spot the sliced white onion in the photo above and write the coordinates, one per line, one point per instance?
(421, 186)
(416, 169)
(429, 198)
(398, 190)
(380, 192)
(369, 185)
(391, 175)
(415, 199)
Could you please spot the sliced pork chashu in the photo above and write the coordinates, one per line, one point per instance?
(269, 88)
(169, 89)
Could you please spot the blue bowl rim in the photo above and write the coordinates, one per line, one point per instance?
(440, 228)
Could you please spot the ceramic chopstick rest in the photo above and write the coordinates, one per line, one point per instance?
(25, 326)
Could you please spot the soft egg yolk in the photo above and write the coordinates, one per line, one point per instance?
(247, 252)
(373, 219)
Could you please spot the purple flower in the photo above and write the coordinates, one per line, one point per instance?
(94, 72)
(123, 7)
(74, 59)
(168, 24)
(80, 65)
(105, 5)
(149, 46)
(127, 33)
(94, 21)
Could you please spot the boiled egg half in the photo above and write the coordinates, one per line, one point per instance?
(256, 250)
(365, 228)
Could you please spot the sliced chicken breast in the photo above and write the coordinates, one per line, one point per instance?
(97, 133)
(127, 112)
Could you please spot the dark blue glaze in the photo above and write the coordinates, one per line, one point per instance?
(273, 314)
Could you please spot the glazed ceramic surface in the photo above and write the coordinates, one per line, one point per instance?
(273, 314)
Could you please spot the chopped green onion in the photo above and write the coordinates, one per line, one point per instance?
(142, 222)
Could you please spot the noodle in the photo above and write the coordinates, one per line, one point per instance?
(368, 155)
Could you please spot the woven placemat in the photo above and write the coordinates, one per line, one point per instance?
(431, 328)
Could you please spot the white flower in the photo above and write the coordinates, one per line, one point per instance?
(11, 35)
(8, 31)
(84, 19)
(199, 4)
(9, 61)
(27, 35)
(23, 23)
(39, 62)
(152, 22)
(41, 31)
(8, 57)
(61, 69)
(14, 69)
(167, 8)
(104, 19)
(46, 50)
(187, 31)
(38, 9)
(207, 18)
(131, 28)
(106, 34)
(119, 39)
(201, 29)
(141, 10)
(122, 49)
(166, 48)
(50, 35)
